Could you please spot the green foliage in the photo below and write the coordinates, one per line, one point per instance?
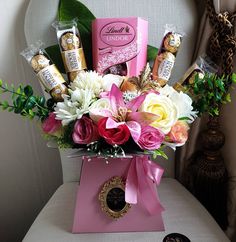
(210, 92)
(55, 55)
(74, 9)
(156, 153)
(151, 53)
(24, 102)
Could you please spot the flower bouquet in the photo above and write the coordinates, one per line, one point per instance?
(122, 109)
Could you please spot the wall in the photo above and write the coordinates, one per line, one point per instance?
(29, 171)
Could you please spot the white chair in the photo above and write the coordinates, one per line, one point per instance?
(184, 214)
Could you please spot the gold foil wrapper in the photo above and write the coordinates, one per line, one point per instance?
(72, 75)
(39, 62)
(172, 42)
(70, 41)
(74, 62)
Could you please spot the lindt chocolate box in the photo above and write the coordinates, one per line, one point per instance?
(120, 45)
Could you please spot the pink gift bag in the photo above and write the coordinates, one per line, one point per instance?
(141, 176)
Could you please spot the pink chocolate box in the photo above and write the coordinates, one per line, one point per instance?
(89, 217)
(120, 45)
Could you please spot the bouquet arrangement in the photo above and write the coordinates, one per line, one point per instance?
(122, 106)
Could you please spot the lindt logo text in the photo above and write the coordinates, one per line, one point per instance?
(117, 34)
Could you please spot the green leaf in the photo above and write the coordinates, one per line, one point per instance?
(55, 55)
(228, 98)
(0, 82)
(19, 104)
(233, 77)
(31, 113)
(28, 90)
(30, 104)
(5, 105)
(151, 53)
(10, 109)
(184, 118)
(159, 152)
(41, 101)
(72, 9)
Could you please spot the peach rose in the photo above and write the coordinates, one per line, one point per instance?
(179, 132)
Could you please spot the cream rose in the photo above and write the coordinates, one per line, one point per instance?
(100, 109)
(164, 108)
(110, 79)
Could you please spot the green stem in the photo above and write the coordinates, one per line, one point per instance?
(12, 91)
(39, 106)
(9, 106)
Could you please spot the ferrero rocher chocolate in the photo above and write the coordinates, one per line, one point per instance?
(165, 59)
(57, 92)
(46, 71)
(193, 75)
(70, 41)
(172, 42)
(71, 48)
(38, 62)
(162, 67)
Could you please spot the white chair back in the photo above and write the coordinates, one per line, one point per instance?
(181, 13)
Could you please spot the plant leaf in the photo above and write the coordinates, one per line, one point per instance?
(151, 53)
(55, 55)
(233, 77)
(28, 90)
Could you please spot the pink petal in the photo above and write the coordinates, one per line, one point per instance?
(112, 124)
(143, 118)
(134, 104)
(135, 130)
(116, 98)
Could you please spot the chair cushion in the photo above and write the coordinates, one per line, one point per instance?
(183, 214)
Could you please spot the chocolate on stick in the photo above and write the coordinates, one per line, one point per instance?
(46, 71)
(71, 48)
(166, 56)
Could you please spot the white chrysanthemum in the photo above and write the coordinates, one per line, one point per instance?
(88, 80)
(182, 101)
(66, 111)
(74, 108)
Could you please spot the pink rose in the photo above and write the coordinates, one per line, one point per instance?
(179, 132)
(150, 138)
(51, 125)
(85, 131)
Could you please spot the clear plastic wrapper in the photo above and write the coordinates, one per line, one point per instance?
(71, 47)
(46, 71)
(203, 65)
(166, 56)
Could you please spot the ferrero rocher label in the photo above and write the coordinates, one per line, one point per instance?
(166, 63)
(50, 77)
(74, 60)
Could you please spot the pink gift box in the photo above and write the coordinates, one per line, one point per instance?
(89, 217)
(120, 45)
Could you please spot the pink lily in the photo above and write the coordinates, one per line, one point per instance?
(126, 113)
